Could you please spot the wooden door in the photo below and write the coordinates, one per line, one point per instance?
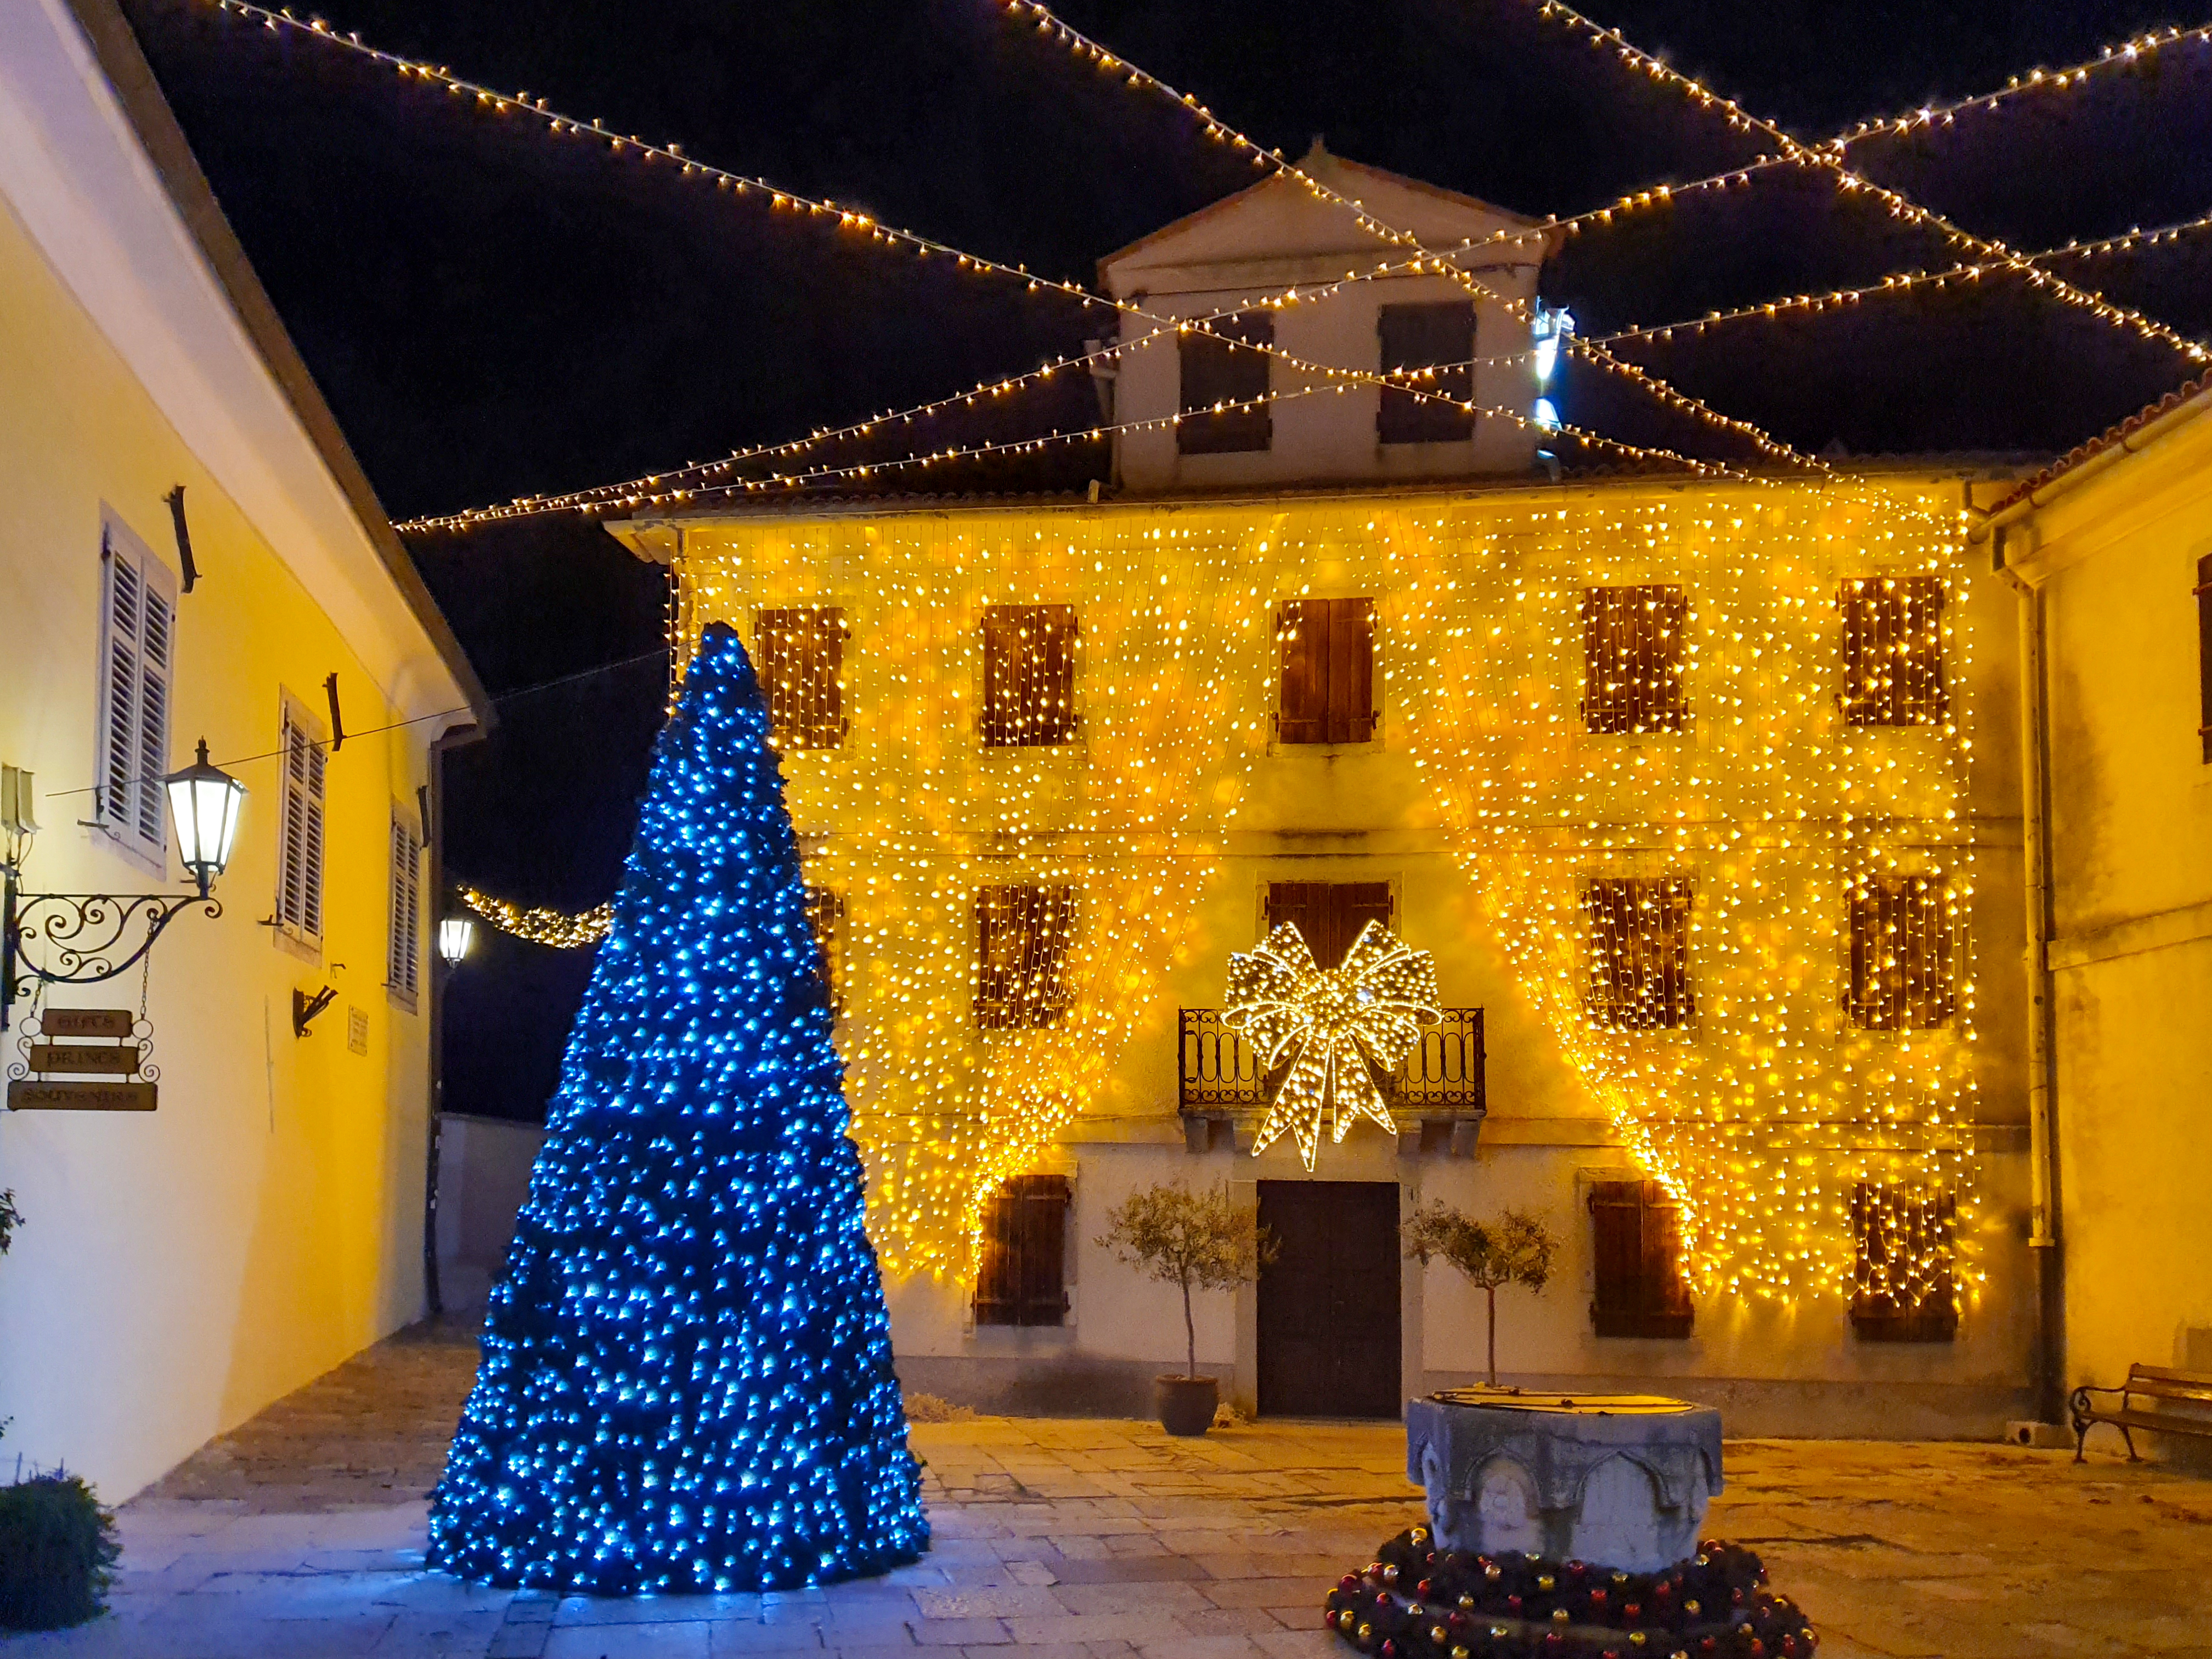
(1329, 913)
(1328, 1304)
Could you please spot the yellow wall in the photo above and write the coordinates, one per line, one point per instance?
(176, 1272)
(2131, 843)
(1765, 800)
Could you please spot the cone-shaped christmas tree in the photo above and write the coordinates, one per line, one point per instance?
(686, 1381)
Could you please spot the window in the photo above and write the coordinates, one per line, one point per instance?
(1029, 674)
(1642, 1290)
(1329, 914)
(1215, 372)
(802, 666)
(138, 613)
(1434, 336)
(1328, 670)
(1901, 928)
(1633, 646)
(1023, 937)
(825, 918)
(1637, 934)
(1893, 650)
(1904, 1291)
(1021, 1280)
(2204, 651)
(402, 973)
(300, 846)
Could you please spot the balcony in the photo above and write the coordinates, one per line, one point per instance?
(1436, 1095)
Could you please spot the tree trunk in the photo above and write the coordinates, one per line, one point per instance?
(1490, 1290)
(1189, 1334)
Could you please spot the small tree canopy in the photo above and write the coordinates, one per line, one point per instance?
(1516, 1248)
(10, 1218)
(1198, 1240)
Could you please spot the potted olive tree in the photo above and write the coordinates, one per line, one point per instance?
(1516, 1248)
(1198, 1241)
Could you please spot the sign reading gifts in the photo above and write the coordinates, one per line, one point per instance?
(83, 1060)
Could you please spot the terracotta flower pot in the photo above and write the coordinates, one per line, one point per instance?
(1186, 1403)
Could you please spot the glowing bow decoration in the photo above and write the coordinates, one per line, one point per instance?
(1341, 1022)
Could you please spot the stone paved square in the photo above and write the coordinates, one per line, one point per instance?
(300, 1536)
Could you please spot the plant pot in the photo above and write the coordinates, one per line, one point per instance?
(1186, 1403)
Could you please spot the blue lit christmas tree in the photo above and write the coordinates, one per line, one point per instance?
(686, 1380)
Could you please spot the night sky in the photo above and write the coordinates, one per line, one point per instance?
(491, 312)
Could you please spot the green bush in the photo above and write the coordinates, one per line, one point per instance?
(57, 1549)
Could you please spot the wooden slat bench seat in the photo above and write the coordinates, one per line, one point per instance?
(2153, 1384)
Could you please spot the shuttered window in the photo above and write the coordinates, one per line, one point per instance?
(1901, 932)
(1029, 674)
(1637, 949)
(1217, 374)
(1633, 641)
(1641, 1289)
(2204, 652)
(1021, 1278)
(1904, 1290)
(300, 846)
(1438, 337)
(1023, 937)
(1893, 650)
(1328, 914)
(402, 970)
(138, 615)
(802, 670)
(1327, 649)
(826, 918)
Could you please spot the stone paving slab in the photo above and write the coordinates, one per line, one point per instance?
(300, 1536)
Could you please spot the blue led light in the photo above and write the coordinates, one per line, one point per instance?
(686, 1381)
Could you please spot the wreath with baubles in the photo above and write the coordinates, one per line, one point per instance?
(1416, 1602)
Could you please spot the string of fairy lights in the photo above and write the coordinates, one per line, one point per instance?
(651, 490)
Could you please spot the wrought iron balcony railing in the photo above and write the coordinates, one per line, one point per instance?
(1442, 1079)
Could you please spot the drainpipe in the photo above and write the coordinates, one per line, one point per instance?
(454, 738)
(2044, 1236)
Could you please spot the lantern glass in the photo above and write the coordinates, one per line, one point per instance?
(204, 803)
(455, 935)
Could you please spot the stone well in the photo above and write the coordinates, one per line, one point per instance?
(1617, 1480)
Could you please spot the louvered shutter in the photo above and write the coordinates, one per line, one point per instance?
(138, 639)
(2204, 652)
(402, 971)
(299, 851)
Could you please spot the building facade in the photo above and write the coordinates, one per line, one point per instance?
(188, 551)
(2111, 554)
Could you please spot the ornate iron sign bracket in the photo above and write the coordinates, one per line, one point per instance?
(81, 939)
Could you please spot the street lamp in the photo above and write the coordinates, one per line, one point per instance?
(455, 935)
(82, 938)
(204, 800)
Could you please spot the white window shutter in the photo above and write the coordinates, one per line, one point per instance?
(311, 876)
(402, 971)
(300, 854)
(138, 645)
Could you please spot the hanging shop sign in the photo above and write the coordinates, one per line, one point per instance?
(83, 1060)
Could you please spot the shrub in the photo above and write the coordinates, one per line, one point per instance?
(1516, 1249)
(58, 1549)
(1199, 1241)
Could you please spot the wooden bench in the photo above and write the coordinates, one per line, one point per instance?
(2150, 1383)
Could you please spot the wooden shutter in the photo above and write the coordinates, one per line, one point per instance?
(1214, 372)
(1637, 937)
(1893, 667)
(1641, 1288)
(138, 644)
(1901, 930)
(1439, 336)
(2204, 652)
(402, 973)
(802, 669)
(1329, 914)
(825, 918)
(1633, 659)
(1029, 674)
(299, 851)
(1022, 1278)
(1327, 650)
(1905, 1290)
(1023, 937)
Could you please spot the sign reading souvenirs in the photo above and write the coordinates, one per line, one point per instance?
(95, 1075)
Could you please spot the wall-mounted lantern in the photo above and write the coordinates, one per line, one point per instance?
(455, 935)
(82, 938)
